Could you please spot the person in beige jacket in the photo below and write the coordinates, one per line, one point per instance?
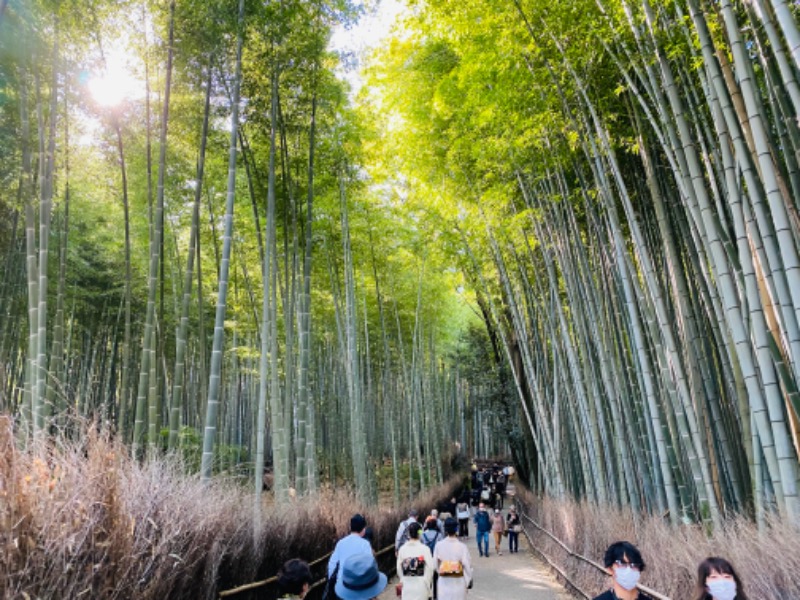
(498, 527)
(415, 566)
(452, 587)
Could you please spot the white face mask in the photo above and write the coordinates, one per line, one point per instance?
(722, 589)
(626, 577)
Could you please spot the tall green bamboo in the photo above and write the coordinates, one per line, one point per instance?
(149, 339)
(215, 372)
(181, 336)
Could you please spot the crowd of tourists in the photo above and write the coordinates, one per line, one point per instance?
(438, 566)
(489, 484)
(433, 561)
(445, 572)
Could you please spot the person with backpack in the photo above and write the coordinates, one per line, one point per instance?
(415, 566)
(361, 579)
(350, 544)
(401, 537)
(453, 566)
(431, 535)
(346, 547)
(483, 524)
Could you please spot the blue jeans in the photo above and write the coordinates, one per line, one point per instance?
(513, 541)
(483, 538)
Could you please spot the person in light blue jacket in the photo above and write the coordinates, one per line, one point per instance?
(351, 544)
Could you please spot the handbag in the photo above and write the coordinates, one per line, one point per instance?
(516, 528)
(451, 568)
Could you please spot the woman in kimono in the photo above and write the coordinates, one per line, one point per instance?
(451, 559)
(415, 566)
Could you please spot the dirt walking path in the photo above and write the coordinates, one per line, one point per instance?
(518, 576)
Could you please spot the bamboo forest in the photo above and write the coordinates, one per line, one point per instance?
(563, 235)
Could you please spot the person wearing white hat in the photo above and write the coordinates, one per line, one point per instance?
(359, 578)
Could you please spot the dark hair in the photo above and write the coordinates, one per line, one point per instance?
(450, 526)
(413, 530)
(294, 574)
(714, 564)
(357, 523)
(369, 534)
(431, 523)
(621, 551)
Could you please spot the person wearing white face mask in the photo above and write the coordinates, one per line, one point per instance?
(624, 563)
(718, 580)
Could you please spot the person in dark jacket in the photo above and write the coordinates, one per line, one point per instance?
(513, 526)
(483, 525)
(625, 564)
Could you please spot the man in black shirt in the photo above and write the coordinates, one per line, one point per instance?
(625, 564)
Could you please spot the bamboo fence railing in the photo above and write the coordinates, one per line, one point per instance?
(572, 554)
(257, 584)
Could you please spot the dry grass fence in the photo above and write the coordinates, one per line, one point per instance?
(768, 561)
(80, 519)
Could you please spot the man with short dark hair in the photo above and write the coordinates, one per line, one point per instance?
(294, 578)
(624, 563)
(483, 524)
(350, 544)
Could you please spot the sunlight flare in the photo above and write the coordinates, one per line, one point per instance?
(113, 87)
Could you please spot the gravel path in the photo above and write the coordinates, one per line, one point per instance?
(518, 576)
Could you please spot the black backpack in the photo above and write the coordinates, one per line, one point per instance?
(404, 535)
(329, 593)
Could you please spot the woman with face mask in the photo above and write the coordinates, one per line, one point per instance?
(717, 580)
(624, 563)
